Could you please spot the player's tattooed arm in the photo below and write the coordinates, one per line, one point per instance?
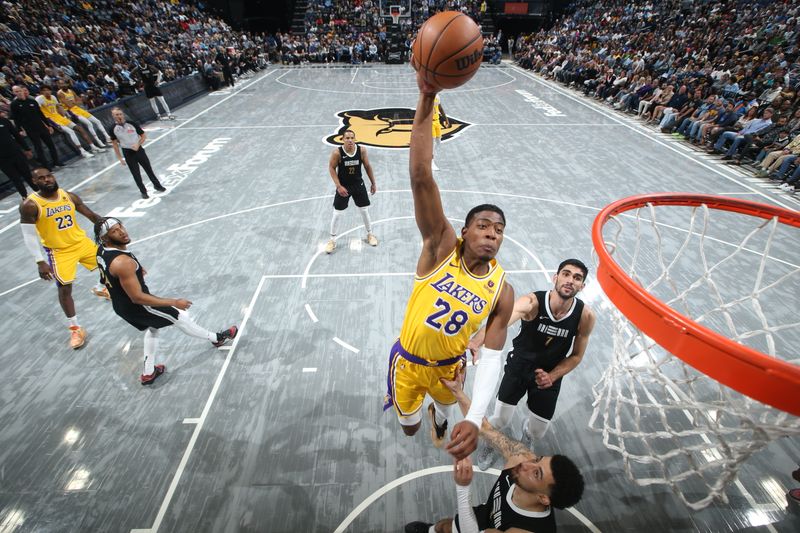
(512, 450)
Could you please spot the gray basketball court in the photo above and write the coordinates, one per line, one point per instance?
(284, 430)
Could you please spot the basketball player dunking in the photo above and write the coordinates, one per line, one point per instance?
(49, 217)
(345, 170)
(458, 285)
(552, 340)
(124, 276)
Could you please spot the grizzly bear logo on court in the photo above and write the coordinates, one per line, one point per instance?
(388, 127)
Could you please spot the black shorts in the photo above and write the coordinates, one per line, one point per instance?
(519, 379)
(359, 193)
(143, 316)
(152, 91)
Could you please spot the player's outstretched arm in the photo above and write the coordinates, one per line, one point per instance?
(124, 268)
(438, 236)
(464, 438)
(514, 452)
(83, 209)
(525, 307)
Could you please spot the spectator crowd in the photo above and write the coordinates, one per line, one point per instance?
(723, 76)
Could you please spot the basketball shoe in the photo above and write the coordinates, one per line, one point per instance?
(147, 379)
(224, 336)
(438, 433)
(77, 337)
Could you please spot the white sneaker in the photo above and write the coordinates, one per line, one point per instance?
(330, 246)
(171, 116)
(784, 186)
(372, 240)
(85, 154)
(434, 166)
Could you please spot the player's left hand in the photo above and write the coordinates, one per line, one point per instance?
(462, 471)
(373, 189)
(463, 440)
(543, 379)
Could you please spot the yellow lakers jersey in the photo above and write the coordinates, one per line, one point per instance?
(436, 103)
(49, 105)
(57, 223)
(68, 98)
(448, 306)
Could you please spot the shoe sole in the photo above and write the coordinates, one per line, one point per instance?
(226, 339)
(437, 442)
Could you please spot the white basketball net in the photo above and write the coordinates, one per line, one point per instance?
(672, 424)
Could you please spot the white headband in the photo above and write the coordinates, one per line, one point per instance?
(107, 225)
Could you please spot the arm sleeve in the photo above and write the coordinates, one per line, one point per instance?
(137, 127)
(491, 361)
(467, 521)
(31, 239)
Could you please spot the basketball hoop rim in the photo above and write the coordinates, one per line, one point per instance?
(757, 375)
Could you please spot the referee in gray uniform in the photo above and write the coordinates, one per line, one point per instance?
(130, 137)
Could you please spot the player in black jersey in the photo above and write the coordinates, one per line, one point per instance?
(345, 170)
(522, 498)
(151, 78)
(123, 275)
(552, 340)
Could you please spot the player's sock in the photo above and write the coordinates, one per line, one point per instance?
(365, 217)
(536, 426)
(335, 222)
(502, 415)
(164, 103)
(191, 328)
(442, 413)
(150, 349)
(73, 322)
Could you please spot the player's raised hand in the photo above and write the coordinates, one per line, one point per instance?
(425, 87)
(462, 471)
(463, 440)
(455, 385)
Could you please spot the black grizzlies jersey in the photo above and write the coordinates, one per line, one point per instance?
(545, 341)
(349, 169)
(149, 77)
(500, 512)
(119, 298)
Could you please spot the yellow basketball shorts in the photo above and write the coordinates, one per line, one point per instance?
(64, 261)
(79, 111)
(437, 128)
(61, 120)
(410, 378)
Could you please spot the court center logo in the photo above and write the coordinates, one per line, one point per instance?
(388, 127)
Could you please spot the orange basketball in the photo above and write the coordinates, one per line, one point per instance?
(448, 49)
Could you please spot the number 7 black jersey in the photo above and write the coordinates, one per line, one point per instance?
(349, 169)
(545, 341)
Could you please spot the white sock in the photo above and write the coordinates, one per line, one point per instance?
(437, 143)
(73, 321)
(335, 221)
(150, 349)
(163, 103)
(190, 327)
(365, 217)
(537, 426)
(502, 414)
(442, 412)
